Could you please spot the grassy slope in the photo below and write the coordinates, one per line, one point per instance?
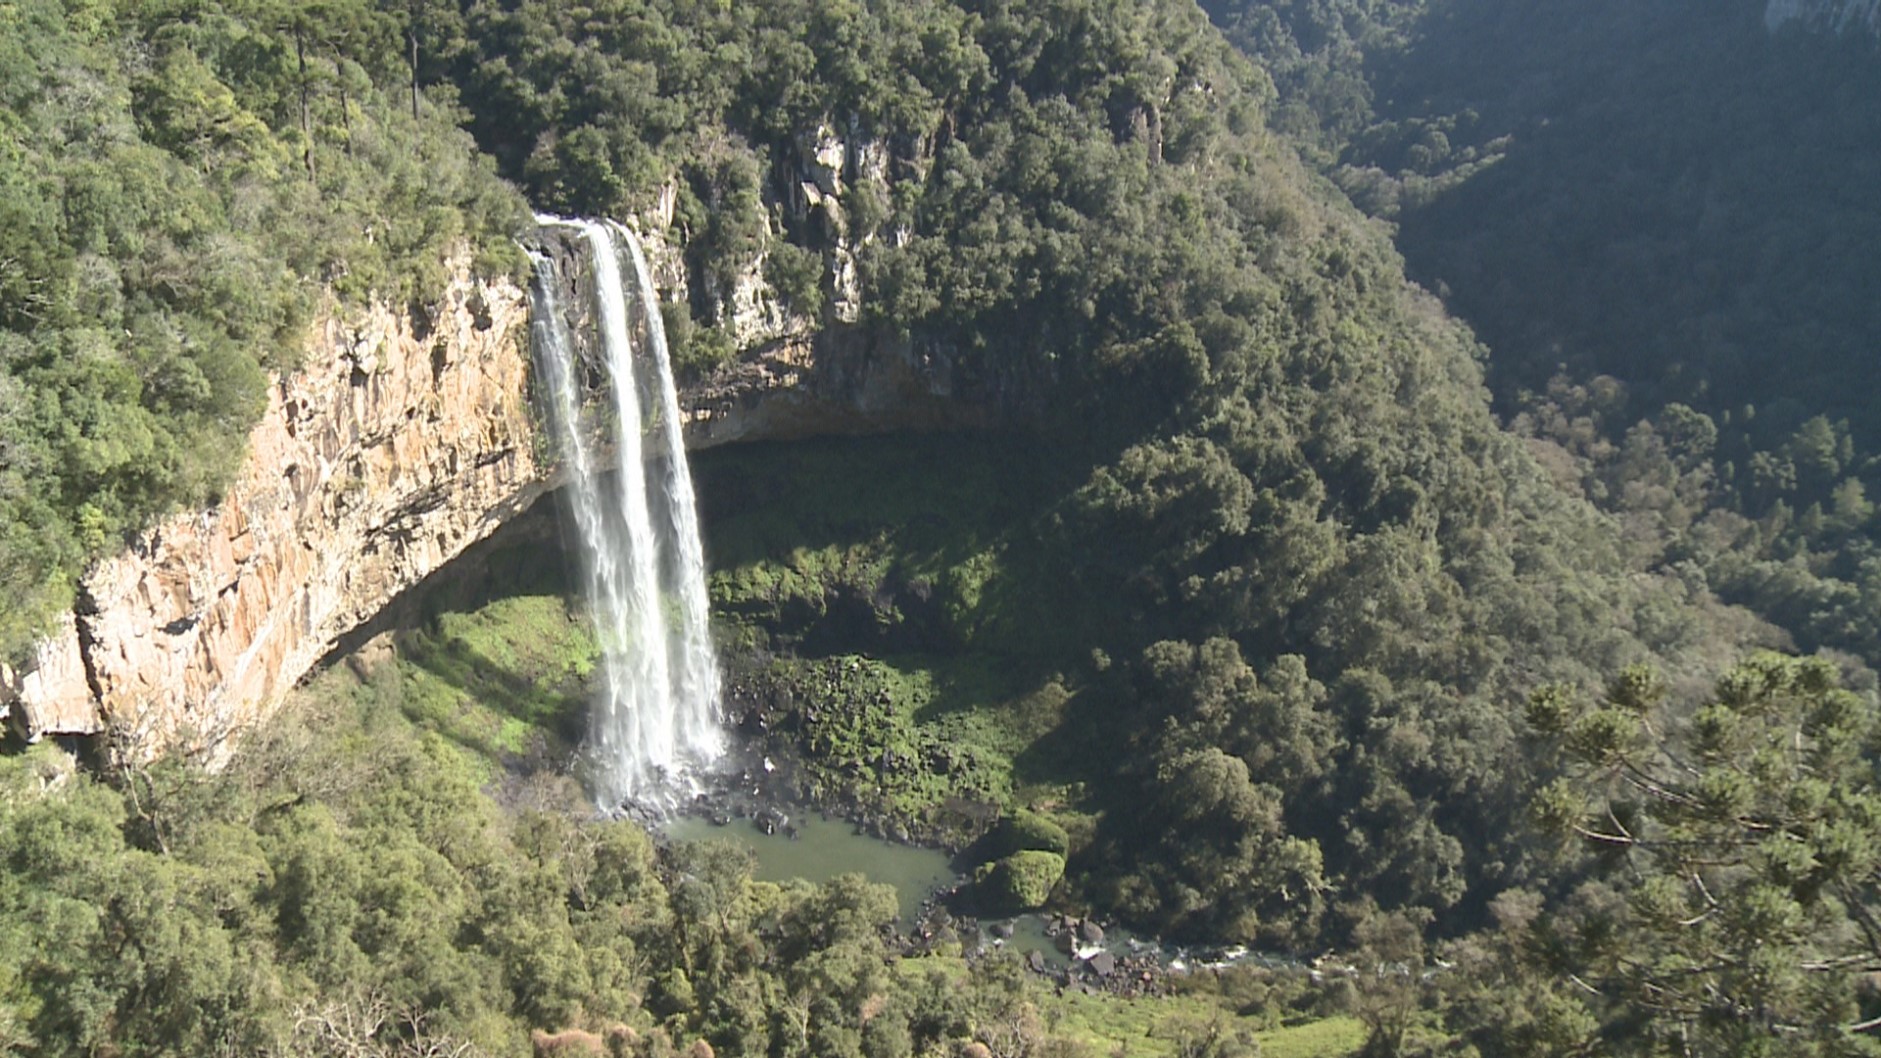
(509, 679)
(1157, 1027)
(505, 682)
(1171, 1025)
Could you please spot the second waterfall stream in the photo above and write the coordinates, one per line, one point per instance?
(654, 728)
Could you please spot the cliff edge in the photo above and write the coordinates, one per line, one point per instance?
(405, 438)
(409, 436)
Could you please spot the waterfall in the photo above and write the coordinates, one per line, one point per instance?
(654, 722)
(695, 671)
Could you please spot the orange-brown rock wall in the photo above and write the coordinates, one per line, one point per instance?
(401, 442)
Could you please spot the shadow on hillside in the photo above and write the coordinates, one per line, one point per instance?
(1673, 204)
(940, 496)
(515, 718)
(527, 555)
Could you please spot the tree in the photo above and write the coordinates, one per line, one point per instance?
(1734, 855)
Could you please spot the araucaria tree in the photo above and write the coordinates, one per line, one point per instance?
(1731, 904)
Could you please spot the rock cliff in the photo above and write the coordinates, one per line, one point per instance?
(404, 440)
(795, 376)
(796, 380)
(793, 379)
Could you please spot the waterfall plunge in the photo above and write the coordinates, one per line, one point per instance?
(654, 725)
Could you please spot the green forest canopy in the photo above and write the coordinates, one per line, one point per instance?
(1650, 212)
(1282, 551)
(181, 185)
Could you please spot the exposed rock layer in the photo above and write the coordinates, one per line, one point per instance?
(846, 380)
(794, 379)
(403, 441)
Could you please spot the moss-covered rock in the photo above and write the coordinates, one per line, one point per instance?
(1019, 882)
(1025, 830)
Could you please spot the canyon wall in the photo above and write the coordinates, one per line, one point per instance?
(797, 376)
(402, 441)
(794, 378)
(407, 437)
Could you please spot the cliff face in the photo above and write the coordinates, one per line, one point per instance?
(406, 440)
(402, 442)
(797, 377)
(845, 376)
(793, 379)
(844, 380)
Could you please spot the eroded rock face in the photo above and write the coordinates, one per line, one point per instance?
(404, 441)
(843, 380)
(401, 443)
(793, 382)
(52, 693)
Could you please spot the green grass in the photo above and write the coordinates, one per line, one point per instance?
(1315, 1039)
(1151, 1027)
(507, 682)
(508, 679)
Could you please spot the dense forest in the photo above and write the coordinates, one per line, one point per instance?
(1285, 608)
(1648, 212)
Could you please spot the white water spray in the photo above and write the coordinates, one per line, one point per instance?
(695, 670)
(654, 724)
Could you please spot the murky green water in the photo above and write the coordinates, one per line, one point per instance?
(1028, 935)
(825, 848)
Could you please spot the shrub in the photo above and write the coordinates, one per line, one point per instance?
(1028, 831)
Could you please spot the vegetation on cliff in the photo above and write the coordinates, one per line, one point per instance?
(182, 185)
(1232, 622)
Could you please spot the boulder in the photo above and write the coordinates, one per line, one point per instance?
(1019, 882)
